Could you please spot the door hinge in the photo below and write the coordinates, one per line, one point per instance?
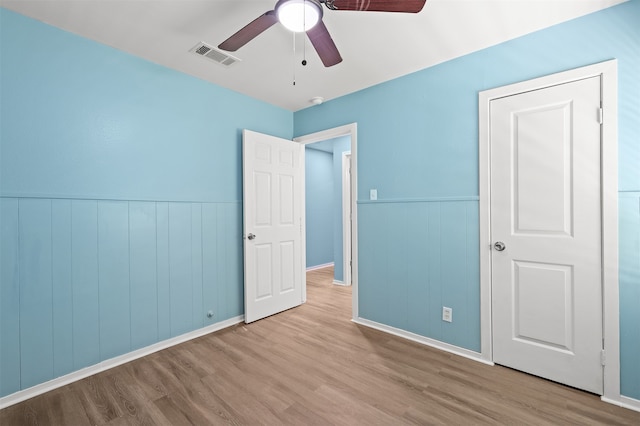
(603, 357)
(600, 115)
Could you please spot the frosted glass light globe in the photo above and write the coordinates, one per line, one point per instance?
(298, 15)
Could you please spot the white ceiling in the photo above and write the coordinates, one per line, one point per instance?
(375, 46)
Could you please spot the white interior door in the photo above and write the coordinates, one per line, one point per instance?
(546, 233)
(272, 200)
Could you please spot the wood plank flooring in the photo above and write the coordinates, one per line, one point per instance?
(312, 366)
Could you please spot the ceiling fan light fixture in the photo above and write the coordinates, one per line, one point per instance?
(298, 15)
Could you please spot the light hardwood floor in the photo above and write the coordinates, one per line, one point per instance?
(307, 366)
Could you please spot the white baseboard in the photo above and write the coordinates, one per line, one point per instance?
(624, 401)
(324, 265)
(36, 390)
(338, 282)
(466, 353)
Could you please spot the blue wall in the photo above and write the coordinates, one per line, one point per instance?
(415, 257)
(84, 120)
(419, 147)
(630, 292)
(86, 280)
(120, 189)
(319, 206)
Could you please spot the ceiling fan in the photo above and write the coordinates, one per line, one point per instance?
(306, 16)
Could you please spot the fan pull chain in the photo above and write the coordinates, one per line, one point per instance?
(304, 39)
(294, 59)
(304, 51)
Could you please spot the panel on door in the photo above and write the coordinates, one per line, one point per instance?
(545, 225)
(272, 194)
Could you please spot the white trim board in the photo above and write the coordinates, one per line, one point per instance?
(346, 218)
(58, 382)
(624, 402)
(352, 131)
(324, 265)
(607, 71)
(437, 344)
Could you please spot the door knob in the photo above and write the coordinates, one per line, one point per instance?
(499, 246)
(251, 236)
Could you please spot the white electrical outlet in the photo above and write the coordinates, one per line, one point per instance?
(447, 314)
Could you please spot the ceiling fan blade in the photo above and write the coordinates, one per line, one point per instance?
(406, 6)
(324, 45)
(249, 32)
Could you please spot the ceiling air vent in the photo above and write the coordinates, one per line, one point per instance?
(206, 51)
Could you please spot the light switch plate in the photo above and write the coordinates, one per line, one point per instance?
(373, 194)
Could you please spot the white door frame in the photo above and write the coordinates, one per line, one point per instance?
(607, 71)
(346, 218)
(352, 131)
